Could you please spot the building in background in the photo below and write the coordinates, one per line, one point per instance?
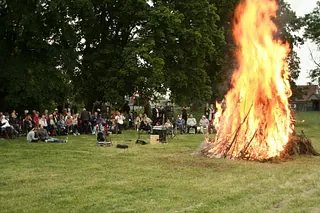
(309, 100)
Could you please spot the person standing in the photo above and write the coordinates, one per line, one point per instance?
(126, 108)
(206, 111)
(185, 113)
(85, 117)
(155, 114)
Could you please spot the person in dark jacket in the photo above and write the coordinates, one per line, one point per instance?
(184, 114)
(85, 117)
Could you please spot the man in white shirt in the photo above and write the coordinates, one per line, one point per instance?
(120, 120)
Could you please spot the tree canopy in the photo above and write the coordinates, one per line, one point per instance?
(54, 50)
(312, 32)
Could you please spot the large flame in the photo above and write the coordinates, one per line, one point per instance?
(255, 120)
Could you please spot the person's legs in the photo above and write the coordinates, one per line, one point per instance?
(34, 141)
(195, 129)
(85, 127)
(55, 140)
(180, 126)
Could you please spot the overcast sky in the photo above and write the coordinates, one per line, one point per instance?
(302, 7)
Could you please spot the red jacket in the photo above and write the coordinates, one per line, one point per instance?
(36, 120)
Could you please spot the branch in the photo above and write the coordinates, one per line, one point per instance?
(313, 59)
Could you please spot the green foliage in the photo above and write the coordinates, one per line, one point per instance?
(35, 40)
(312, 32)
(106, 49)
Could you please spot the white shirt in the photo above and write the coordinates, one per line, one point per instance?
(43, 122)
(119, 119)
(5, 122)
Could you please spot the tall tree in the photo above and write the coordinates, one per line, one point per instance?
(35, 41)
(185, 36)
(312, 32)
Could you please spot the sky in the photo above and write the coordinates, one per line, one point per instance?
(302, 7)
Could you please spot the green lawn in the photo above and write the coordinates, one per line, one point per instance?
(81, 177)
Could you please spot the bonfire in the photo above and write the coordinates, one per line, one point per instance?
(255, 122)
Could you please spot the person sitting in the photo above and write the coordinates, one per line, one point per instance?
(7, 129)
(138, 121)
(43, 122)
(191, 123)
(180, 124)
(204, 124)
(98, 128)
(35, 119)
(27, 123)
(94, 118)
(52, 126)
(114, 127)
(146, 124)
(32, 135)
(100, 137)
(69, 123)
(44, 136)
(62, 126)
(5, 126)
(169, 127)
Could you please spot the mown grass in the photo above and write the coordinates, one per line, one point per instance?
(81, 177)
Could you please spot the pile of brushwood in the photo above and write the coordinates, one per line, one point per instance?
(299, 145)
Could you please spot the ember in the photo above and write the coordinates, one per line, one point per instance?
(256, 122)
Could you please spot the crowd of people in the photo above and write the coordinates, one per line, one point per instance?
(46, 126)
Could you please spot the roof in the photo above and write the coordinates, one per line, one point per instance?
(308, 91)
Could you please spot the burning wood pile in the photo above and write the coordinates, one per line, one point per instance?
(297, 145)
(255, 122)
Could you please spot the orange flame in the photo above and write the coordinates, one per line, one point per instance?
(255, 122)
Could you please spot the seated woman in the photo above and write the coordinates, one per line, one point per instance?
(191, 123)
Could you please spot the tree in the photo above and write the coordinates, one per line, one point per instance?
(185, 36)
(35, 47)
(152, 47)
(312, 32)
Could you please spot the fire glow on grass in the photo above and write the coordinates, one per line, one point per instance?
(256, 122)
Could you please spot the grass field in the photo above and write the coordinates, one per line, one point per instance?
(81, 177)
